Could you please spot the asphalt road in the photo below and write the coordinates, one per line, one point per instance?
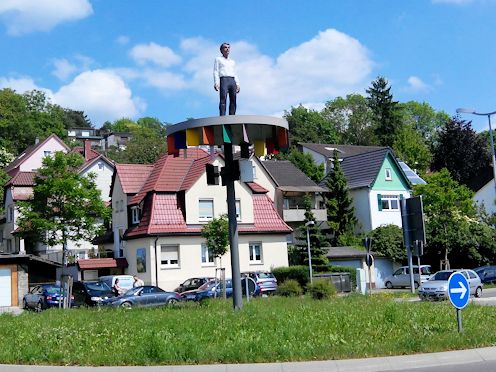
(485, 366)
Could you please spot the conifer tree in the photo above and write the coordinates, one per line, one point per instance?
(340, 211)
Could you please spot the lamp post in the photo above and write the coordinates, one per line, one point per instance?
(308, 224)
(488, 114)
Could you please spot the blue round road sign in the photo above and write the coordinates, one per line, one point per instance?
(458, 290)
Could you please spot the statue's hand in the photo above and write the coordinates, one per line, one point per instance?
(216, 87)
(237, 88)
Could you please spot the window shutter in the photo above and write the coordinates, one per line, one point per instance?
(379, 201)
(401, 196)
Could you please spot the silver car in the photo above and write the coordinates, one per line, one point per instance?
(436, 288)
(401, 277)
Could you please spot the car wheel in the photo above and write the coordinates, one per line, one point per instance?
(25, 304)
(415, 285)
(39, 307)
(126, 305)
(389, 285)
(478, 292)
(172, 302)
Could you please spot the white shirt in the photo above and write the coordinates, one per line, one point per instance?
(224, 67)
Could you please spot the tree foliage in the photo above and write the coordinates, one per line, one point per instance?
(216, 234)
(385, 113)
(65, 205)
(388, 241)
(460, 150)
(410, 147)
(305, 163)
(309, 126)
(340, 211)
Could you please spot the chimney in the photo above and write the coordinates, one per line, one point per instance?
(36, 140)
(87, 149)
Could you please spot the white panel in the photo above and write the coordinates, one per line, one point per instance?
(5, 287)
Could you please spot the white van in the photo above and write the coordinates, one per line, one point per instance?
(401, 277)
(125, 281)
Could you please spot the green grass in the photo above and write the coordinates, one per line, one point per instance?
(266, 330)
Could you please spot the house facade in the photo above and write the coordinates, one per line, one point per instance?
(164, 216)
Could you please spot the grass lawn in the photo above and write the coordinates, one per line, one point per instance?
(266, 330)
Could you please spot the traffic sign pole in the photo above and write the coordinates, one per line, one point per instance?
(459, 294)
(459, 320)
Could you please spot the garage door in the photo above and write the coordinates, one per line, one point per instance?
(5, 287)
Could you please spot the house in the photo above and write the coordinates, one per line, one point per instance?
(288, 186)
(158, 217)
(375, 178)
(20, 187)
(484, 187)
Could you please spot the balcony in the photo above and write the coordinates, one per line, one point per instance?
(298, 215)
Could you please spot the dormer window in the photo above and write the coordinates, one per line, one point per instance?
(388, 174)
(206, 209)
(135, 215)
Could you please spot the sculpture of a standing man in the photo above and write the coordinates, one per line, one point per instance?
(226, 80)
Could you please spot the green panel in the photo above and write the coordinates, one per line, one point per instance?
(397, 182)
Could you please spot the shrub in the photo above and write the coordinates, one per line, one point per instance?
(298, 273)
(289, 288)
(321, 289)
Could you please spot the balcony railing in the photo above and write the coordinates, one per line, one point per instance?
(296, 215)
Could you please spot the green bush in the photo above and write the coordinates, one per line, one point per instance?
(298, 273)
(289, 288)
(321, 289)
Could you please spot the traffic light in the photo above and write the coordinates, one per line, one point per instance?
(212, 174)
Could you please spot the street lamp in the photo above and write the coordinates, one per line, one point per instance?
(488, 114)
(308, 224)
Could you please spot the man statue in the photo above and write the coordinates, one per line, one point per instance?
(226, 80)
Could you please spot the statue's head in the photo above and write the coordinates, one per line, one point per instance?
(225, 48)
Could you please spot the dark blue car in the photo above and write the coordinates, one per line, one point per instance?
(215, 289)
(42, 297)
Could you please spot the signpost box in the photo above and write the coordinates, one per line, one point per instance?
(459, 294)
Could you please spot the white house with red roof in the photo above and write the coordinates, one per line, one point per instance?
(159, 211)
(20, 187)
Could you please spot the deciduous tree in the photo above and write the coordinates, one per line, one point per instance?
(309, 126)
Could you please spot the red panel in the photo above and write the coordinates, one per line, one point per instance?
(208, 136)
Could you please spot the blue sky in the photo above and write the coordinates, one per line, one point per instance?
(123, 58)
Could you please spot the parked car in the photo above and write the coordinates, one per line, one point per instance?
(214, 289)
(90, 293)
(436, 288)
(42, 297)
(265, 280)
(146, 296)
(487, 274)
(191, 284)
(125, 281)
(401, 277)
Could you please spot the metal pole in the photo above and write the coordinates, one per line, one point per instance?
(493, 155)
(406, 239)
(309, 257)
(233, 230)
(459, 320)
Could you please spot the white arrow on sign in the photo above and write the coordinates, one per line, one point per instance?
(462, 290)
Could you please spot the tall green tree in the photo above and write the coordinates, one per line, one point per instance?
(384, 110)
(309, 126)
(410, 147)
(340, 211)
(460, 150)
(65, 206)
(305, 163)
(388, 241)
(76, 119)
(352, 118)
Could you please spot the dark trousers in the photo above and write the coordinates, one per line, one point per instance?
(227, 85)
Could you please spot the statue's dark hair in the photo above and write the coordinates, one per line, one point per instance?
(221, 45)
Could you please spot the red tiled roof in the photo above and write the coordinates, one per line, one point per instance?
(256, 188)
(102, 263)
(266, 217)
(133, 176)
(173, 174)
(22, 179)
(80, 150)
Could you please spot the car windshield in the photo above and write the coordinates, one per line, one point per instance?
(98, 286)
(207, 285)
(442, 275)
(265, 275)
(52, 289)
(425, 270)
(133, 291)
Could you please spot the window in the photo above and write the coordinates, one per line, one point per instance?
(100, 165)
(10, 215)
(122, 206)
(47, 153)
(255, 252)
(135, 215)
(238, 210)
(169, 256)
(207, 256)
(389, 202)
(254, 172)
(9, 245)
(206, 210)
(388, 174)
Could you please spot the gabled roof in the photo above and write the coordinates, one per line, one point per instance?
(361, 170)
(163, 216)
(344, 151)
(348, 252)
(131, 176)
(288, 177)
(22, 179)
(173, 174)
(31, 149)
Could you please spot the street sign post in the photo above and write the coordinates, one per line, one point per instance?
(367, 242)
(459, 294)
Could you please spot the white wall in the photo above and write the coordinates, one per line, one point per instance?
(385, 217)
(361, 203)
(486, 195)
(34, 161)
(103, 177)
(274, 253)
(119, 218)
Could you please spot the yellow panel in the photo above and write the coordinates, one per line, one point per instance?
(192, 137)
(259, 148)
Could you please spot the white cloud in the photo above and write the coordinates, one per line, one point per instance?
(415, 84)
(102, 95)
(63, 68)
(25, 16)
(154, 53)
(122, 40)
